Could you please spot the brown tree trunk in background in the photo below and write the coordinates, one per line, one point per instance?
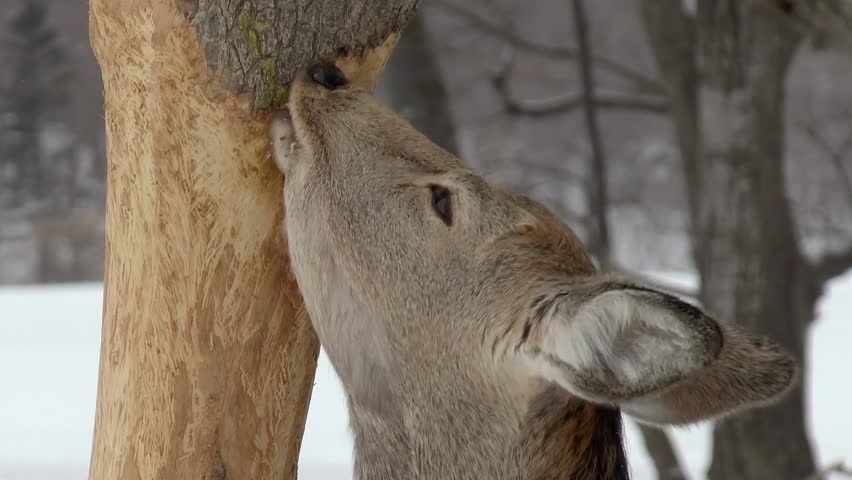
(207, 357)
(751, 267)
(415, 88)
(729, 118)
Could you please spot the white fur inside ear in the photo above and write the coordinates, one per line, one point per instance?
(627, 333)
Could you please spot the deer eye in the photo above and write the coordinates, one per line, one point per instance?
(441, 203)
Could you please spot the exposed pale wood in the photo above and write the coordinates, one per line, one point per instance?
(207, 356)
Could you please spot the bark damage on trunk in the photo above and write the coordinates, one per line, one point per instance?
(259, 45)
(207, 356)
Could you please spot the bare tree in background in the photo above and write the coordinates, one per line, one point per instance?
(727, 62)
(38, 164)
(730, 60)
(32, 89)
(415, 88)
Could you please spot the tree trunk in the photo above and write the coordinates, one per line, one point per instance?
(207, 356)
(751, 268)
(662, 453)
(416, 89)
(744, 239)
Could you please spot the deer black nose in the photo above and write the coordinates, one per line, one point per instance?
(327, 75)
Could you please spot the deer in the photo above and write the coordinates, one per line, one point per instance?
(470, 329)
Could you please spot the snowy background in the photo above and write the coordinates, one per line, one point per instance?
(50, 339)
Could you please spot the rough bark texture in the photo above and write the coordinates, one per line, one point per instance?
(207, 357)
(250, 42)
(744, 240)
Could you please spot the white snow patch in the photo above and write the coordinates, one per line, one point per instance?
(50, 341)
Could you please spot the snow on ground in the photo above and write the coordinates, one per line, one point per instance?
(50, 339)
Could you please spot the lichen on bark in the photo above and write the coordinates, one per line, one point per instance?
(257, 46)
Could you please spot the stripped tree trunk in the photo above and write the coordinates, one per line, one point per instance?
(207, 356)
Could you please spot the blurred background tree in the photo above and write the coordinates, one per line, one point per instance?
(34, 87)
(51, 195)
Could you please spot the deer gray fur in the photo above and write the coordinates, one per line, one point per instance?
(468, 325)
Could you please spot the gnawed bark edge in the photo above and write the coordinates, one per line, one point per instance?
(257, 46)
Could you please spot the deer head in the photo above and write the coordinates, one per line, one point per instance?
(472, 334)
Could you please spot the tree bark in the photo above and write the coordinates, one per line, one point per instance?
(207, 356)
(729, 119)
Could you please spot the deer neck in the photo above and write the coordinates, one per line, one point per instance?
(566, 438)
(558, 437)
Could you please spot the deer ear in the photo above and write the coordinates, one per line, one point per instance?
(656, 357)
(749, 371)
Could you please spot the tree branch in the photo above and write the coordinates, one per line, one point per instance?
(827, 22)
(838, 467)
(832, 264)
(596, 190)
(662, 453)
(640, 80)
(609, 100)
(571, 101)
(833, 155)
(671, 33)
